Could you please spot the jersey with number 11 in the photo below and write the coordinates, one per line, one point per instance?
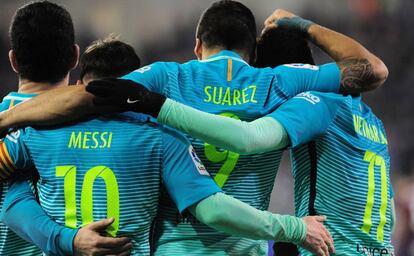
(345, 175)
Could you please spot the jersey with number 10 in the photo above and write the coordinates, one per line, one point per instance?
(344, 175)
(225, 84)
(10, 243)
(110, 166)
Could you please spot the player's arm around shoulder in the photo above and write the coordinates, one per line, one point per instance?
(360, 69)
(258, 136)
(56, 106)
(308, 115)
(65, 104)
(191, 187)
(154, 77)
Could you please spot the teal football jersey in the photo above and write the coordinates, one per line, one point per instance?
(344, 173)
(111, 166)
(225, 84)
(10, 243)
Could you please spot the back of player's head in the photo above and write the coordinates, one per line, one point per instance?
(109, 57)
(228, 24)
(280, 46)
(43, 42)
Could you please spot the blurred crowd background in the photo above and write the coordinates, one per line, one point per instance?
(164, 30)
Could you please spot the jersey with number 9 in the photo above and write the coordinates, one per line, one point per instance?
(225, 84)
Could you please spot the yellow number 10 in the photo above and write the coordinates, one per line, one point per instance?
(376, 160)
(86, 202)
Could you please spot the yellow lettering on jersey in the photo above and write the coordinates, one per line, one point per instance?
(369, 131)
(75, 140)
(236, 97)
(217, 95)
(253, 87)
(220, 95)
(226, 98)
(207, 93)
(85, 144)
(90, 140)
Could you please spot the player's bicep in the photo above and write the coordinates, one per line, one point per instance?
(297, 78)
(154, 77)
(185, 177)
(13, 155)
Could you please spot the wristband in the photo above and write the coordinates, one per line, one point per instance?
(296, 23)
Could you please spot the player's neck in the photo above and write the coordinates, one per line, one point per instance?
(26, 86)
(208, 52)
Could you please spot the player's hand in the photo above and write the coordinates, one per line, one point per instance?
(285, 19)
(318, 240)
(277, 15)
(89, 241)
(126, 94)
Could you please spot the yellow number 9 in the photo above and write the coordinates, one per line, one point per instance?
(229, 158)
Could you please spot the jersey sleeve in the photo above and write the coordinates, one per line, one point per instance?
(296, 78)
(184, 175)
(308, 115)
(154, 77)
(14, 154)
(22, 213)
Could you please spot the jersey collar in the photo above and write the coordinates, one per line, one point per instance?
(225, 54)
(19, 96)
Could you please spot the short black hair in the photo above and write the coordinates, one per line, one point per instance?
(109, 57)
(43, 38)
(228, 24)
(278, 46)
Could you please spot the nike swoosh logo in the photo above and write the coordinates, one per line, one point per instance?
(132, 101)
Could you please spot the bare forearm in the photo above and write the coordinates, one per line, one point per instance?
(338, 46)
(360, 69)
(54, 107)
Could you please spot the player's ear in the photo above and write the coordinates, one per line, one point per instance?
(13, 61)
(198, 49)
(75, 60)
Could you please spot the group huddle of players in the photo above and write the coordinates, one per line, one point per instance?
(102, 168)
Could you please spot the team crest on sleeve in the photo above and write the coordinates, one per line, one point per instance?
(143, 69)
(13, 136)
(197, 162)
(300, 65)
(309, 97)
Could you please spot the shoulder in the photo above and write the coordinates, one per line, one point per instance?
(293, 67)
(316, 97)
(18, 136)
(155, 68)
(371, 114)
(171, 136)
(167, 66)
(4, 106)
(167, 134)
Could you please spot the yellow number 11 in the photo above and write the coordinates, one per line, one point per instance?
(376, 160)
